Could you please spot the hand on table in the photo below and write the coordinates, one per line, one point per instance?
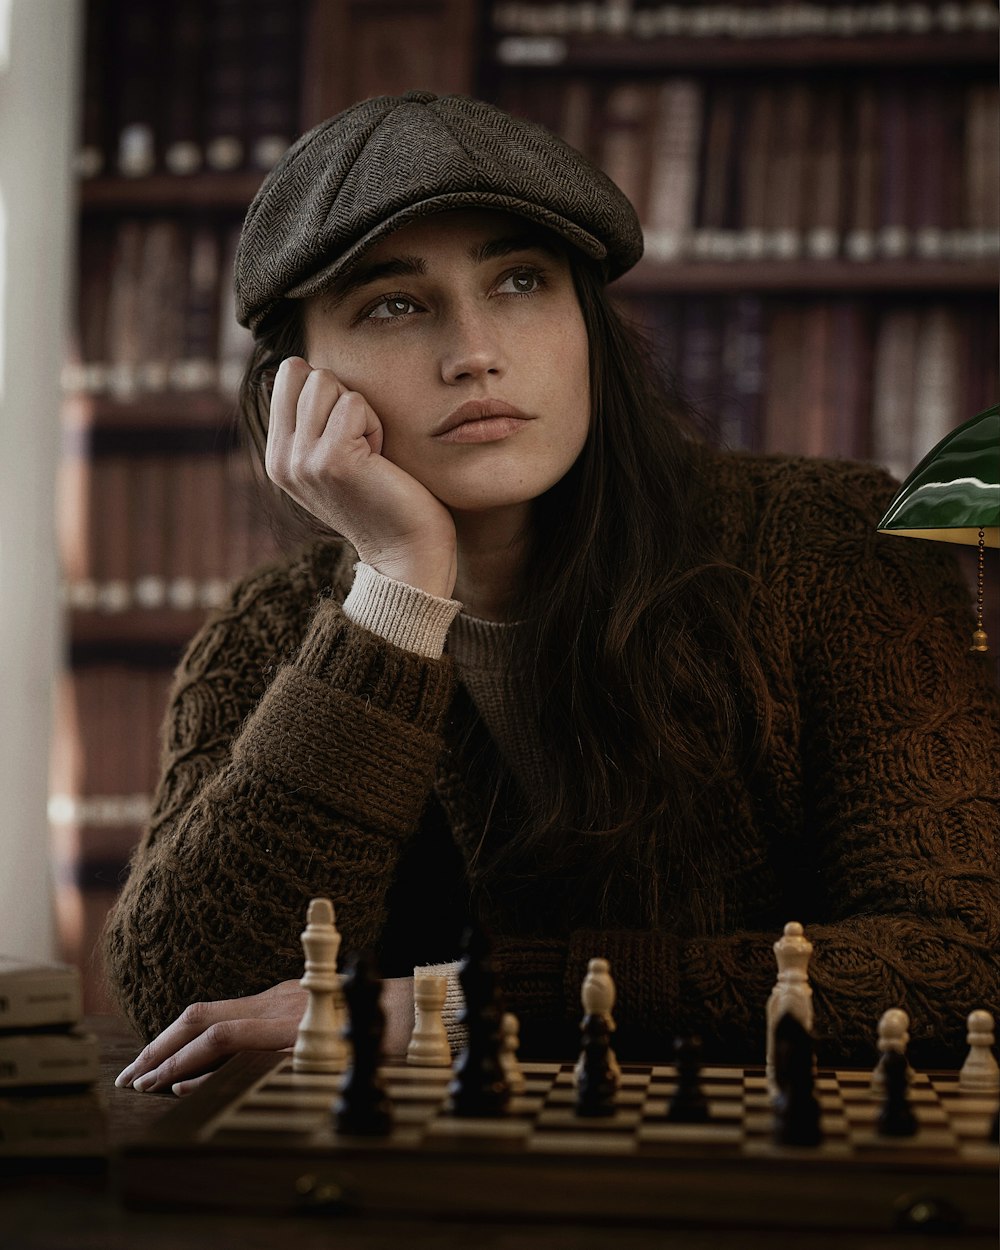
(204, 1034)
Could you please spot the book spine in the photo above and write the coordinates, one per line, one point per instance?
(95, 139)
(139, 24)
(897, 168)
(864, 176)
(743, 374)
(626, 140)
(30, 1059)
(893, 397)
(37, 998)
(823, 210)
(227, 86)
(274, 39)
(183, 141)
(674, 147)
(785, 168)
(936, 380)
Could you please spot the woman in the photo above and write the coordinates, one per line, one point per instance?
(549, 660)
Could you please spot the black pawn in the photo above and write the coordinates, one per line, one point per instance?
(596, 1084)
(796, 1109)
(689, 1104)
(896, 1119)
(480, 1087)
(361, 1108)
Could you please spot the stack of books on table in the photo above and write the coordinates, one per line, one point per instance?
(49, 1065)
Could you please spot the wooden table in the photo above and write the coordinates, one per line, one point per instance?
(72, 1207)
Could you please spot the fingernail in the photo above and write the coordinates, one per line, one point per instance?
(122, 1079)
(145, 1082)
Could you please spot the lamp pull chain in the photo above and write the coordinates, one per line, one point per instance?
(979, 643)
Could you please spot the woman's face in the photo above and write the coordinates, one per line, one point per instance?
(464, 333)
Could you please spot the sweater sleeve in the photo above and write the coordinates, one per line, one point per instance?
(280, 782)
(900, 736)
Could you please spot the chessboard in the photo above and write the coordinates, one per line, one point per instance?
(258, 1135)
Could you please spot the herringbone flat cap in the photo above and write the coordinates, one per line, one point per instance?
(364, 173)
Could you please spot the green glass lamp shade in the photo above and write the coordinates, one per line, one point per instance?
(954, 492)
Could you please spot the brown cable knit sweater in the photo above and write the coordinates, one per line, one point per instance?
(305, 756)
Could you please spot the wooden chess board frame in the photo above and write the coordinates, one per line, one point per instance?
(260, 1136)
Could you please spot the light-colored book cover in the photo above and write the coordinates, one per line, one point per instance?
(33, 995)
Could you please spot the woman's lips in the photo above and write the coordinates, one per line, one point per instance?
(481, 421)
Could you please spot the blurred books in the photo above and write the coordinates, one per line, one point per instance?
(49, 1065)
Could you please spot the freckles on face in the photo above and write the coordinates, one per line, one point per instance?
(463, 306)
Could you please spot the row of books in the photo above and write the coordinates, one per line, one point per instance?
(189, 86)
(154, 531)
(738, 170)
(105, 759)
(840, 377)
(49, 1065)
(650, 19)
(156, 309)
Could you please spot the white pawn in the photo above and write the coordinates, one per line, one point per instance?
(893, 1034)
(597, 994)
(320, 1044)
(792, 992)
(980, 1071)
(428, 1047)
(508, 1055)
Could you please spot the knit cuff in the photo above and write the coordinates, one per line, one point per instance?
(357, 662)
(407, 617)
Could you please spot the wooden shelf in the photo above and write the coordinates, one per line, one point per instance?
(162, 424)
(156, 635)
(170, 193)
(622, 54)
(660, 277)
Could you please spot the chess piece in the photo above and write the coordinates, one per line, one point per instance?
(362, 1109)
(597, 996)
(428, 1046)
(320, 1045)
(980, 1072)
(792, 993)
(893, 1037)
(796, 1108)
(510, 1034)
(688, 1104)
(896, 1119)
(597, 1081)
(479, 1087)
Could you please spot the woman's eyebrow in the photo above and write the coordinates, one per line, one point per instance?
(394, 267)
(527, 241)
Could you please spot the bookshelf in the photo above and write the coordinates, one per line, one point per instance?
(819, 188)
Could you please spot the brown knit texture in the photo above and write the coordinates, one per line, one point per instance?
(301, 754)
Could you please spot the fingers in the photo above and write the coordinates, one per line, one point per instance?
(205, 1052)
(192, 1022)
(317, 427)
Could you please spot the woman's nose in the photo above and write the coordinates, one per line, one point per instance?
(472, 348)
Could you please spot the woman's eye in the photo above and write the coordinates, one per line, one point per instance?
(393, 306)
(523, 282)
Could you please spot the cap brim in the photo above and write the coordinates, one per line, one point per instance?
(347, 259)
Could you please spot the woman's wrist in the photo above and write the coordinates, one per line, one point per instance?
(405, 615)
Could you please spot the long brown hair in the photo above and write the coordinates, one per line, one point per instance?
(635, 629)
(631, 627)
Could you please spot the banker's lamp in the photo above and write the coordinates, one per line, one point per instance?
(953, 496)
